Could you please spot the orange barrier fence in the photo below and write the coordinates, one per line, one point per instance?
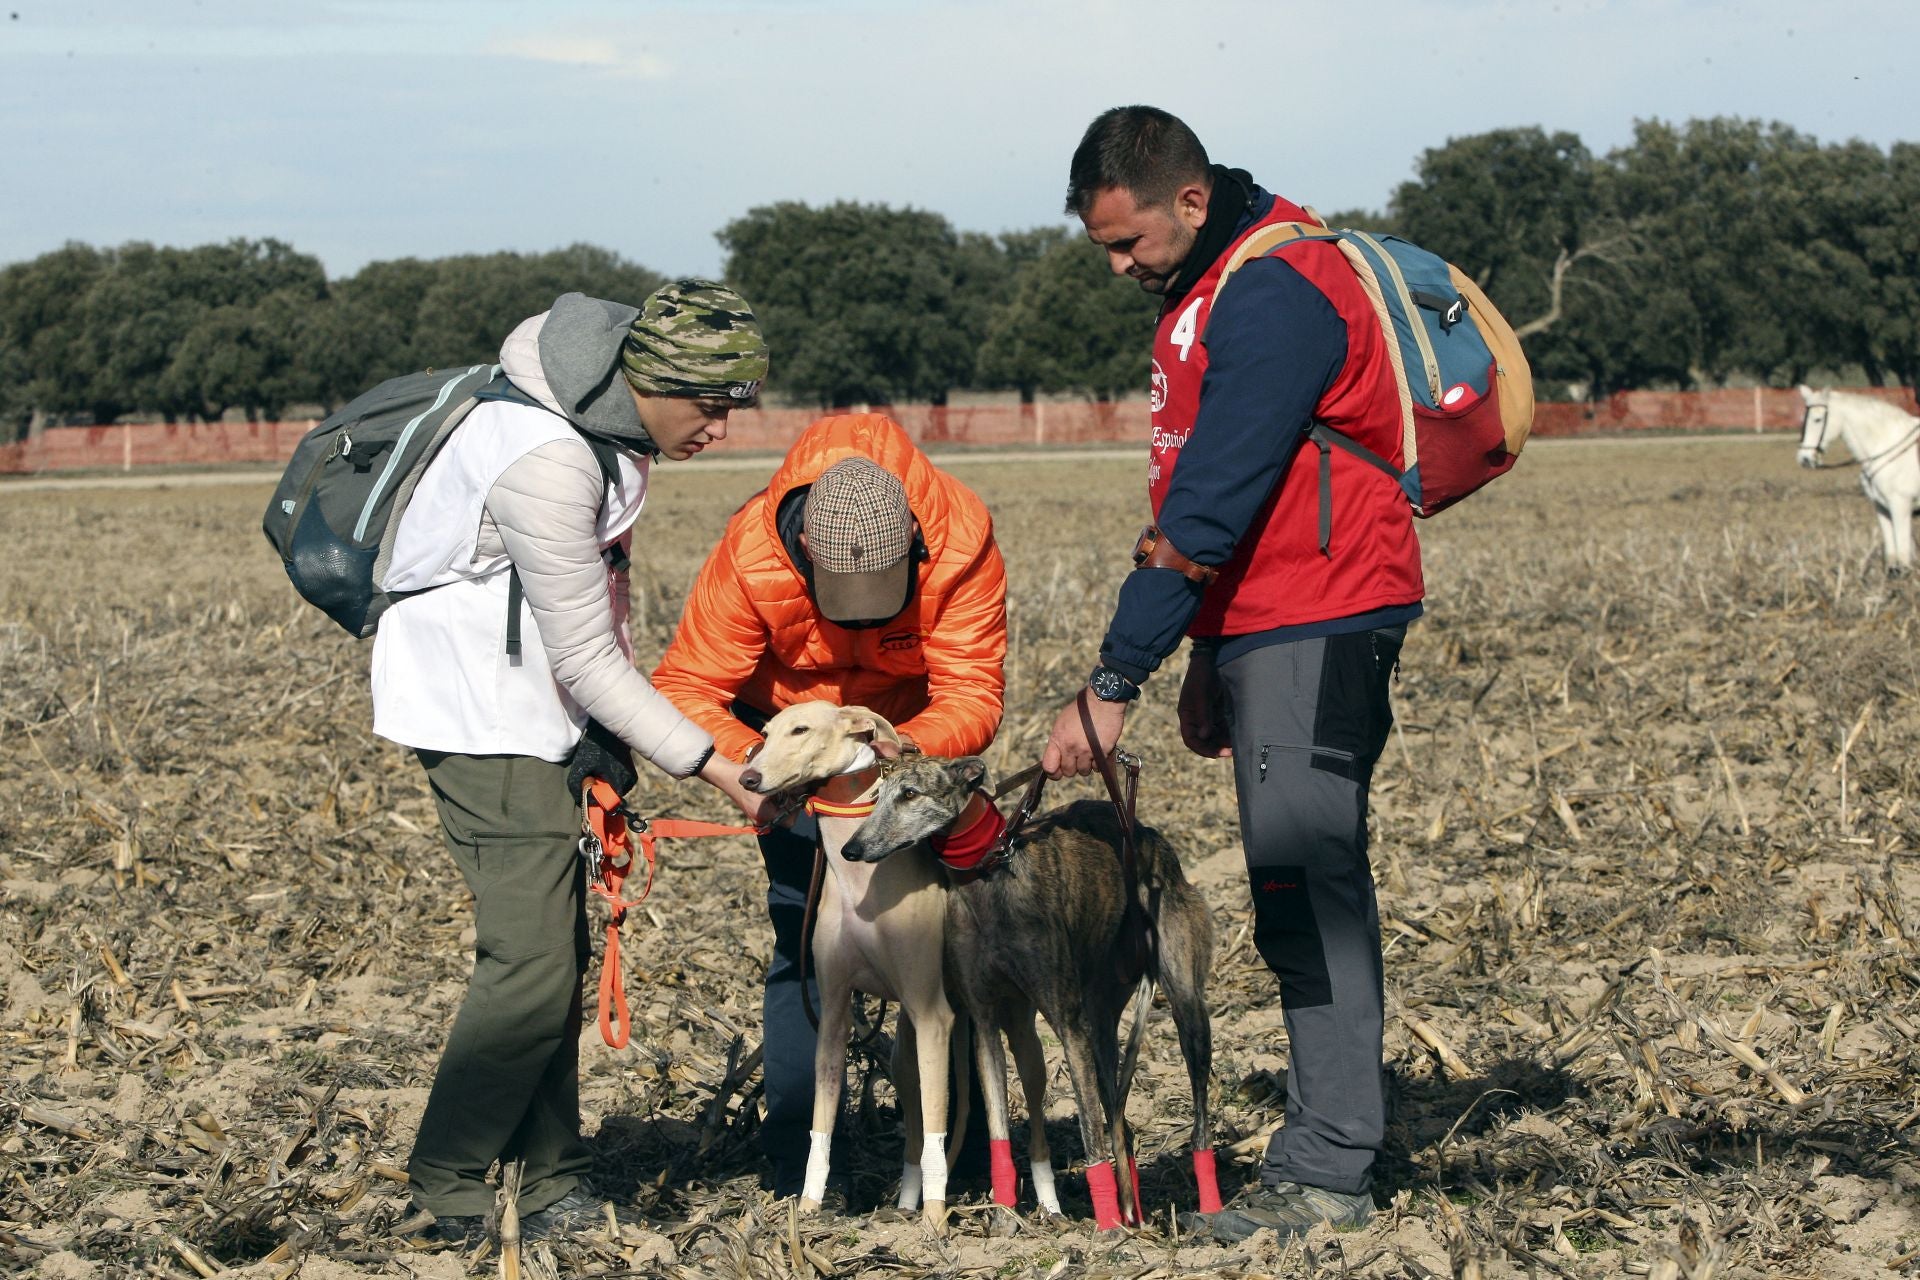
(1747, 409)
(145, 444)
(126, 446)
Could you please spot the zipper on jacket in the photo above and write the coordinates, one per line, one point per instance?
(1264, 752)
(1412, 311)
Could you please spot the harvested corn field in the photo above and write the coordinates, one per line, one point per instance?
(1644, 834)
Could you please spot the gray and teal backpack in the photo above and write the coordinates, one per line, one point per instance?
(337, 509)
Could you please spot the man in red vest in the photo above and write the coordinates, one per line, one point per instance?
(1296, 576)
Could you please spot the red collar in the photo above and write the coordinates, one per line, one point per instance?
(968, 847)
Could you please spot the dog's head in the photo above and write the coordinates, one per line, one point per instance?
(810, 742)
(921, 797)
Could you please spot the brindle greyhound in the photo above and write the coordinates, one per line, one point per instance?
(1042, 927)
(878, 929)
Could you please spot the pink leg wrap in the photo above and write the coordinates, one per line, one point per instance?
(1004, 1184)
(1133, 1176)
(1105, 1194)
(1203, 1173)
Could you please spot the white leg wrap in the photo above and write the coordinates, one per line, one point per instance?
(819, 1147)
(933, 1168)
(909, 1187)
(1043, 1186)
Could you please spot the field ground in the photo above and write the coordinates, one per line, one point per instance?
(1645, 839)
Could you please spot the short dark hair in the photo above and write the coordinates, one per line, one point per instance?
(1142, 150)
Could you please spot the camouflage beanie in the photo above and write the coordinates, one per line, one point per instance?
(695, 338)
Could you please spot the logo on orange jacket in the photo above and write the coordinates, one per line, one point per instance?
(896, 641)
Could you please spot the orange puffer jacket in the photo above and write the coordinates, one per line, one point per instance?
(750, 630)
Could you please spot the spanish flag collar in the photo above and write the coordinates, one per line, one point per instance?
(833, 809)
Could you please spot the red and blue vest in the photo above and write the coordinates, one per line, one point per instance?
(1277, 575)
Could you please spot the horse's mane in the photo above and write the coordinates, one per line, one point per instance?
(1863, 409)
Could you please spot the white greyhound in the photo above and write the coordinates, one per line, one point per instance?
(879, 928)
(1885, 443)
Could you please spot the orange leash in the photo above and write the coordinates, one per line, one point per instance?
(607, 845)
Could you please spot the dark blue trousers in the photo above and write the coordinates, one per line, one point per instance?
(787, 1058)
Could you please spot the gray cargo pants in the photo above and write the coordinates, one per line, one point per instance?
(508, 1085)
(1309, 719)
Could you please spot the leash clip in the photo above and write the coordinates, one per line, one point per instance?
(594, 854)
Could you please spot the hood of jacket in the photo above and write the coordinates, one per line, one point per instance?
(568, 358)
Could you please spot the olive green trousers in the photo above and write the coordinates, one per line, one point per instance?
(508, 1084)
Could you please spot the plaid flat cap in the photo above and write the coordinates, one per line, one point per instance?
(859, 532)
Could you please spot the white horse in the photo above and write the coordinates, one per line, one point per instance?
(1885, 443)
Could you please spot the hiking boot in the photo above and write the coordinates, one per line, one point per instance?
(579, 1212)
(1288, 1208)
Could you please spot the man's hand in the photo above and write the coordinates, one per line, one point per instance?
(724, 776)
(892, 751)
(1203, 709)
(1069, 754)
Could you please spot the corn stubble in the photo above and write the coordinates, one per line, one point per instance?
(1644, 835)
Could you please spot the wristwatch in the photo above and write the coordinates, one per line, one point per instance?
(1109, 685)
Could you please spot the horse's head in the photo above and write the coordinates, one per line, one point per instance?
(1813, 426)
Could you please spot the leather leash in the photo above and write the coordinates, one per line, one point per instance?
(1035, 780)
(1136, 928)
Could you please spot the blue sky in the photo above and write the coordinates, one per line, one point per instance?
(364, 129)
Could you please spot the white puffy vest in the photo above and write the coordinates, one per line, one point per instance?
(442, 679)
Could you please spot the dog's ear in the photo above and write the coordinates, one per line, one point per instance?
(869, 726)
(859, 723)
(971, 771)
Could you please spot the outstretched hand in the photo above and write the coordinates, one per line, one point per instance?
(1070, 752)
(724, 776)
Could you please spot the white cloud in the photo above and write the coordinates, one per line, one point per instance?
(598, 52)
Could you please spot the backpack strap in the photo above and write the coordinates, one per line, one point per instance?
(515, 594)
(1265, 241)
(605, 454)
(1325, 439)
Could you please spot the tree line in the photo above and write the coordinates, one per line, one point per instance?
(1695, 254)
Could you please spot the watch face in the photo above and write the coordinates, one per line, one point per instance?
(1108, 685)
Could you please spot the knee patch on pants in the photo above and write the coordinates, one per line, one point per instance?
(1287, 935)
